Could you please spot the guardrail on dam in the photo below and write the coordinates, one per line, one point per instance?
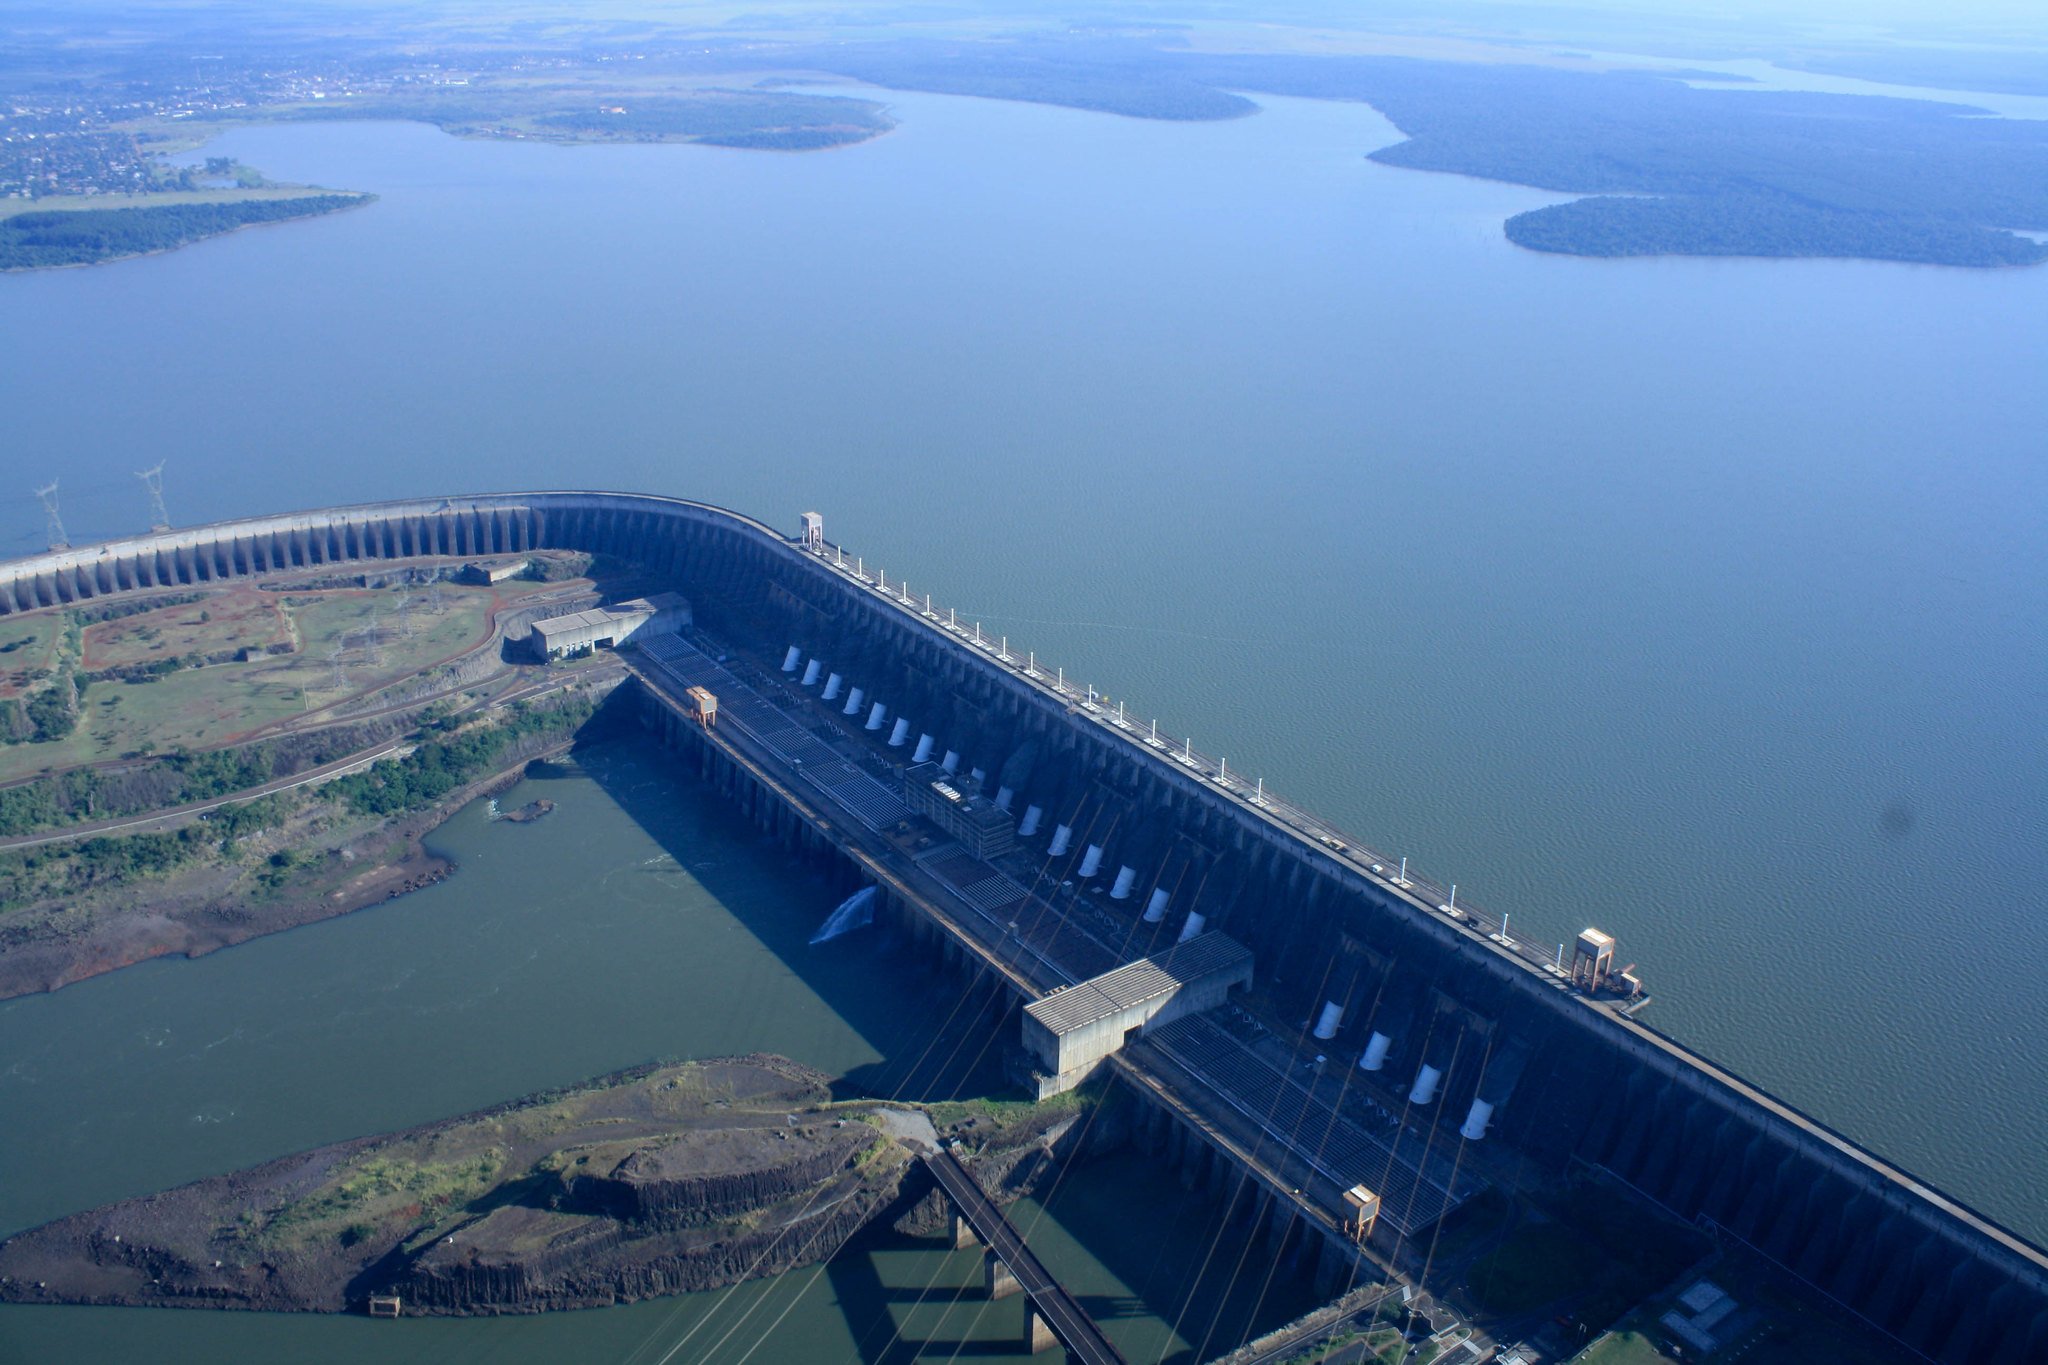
(1398, 983)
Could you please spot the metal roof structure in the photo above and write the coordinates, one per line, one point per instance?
(596, 618)
(1134, 983)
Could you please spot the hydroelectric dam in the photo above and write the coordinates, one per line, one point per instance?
(1119, 889)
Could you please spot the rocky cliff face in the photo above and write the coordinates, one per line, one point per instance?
(519, 1261)
(655, 1181)
(708, 1176)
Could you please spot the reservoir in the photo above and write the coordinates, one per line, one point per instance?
(1700, 600)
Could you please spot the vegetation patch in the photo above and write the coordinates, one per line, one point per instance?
(1009, 1113)
(54, 237)
(126, 680)
(50, 871)
(225, 624)
(1760, 225)
(1725, 172)
(27, 645)
(438, 767)
(727, 118)
(48, 803)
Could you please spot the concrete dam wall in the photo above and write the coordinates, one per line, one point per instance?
(1424, 1000)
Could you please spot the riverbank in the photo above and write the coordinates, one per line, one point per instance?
(318, 860)
(656, 1180)
(660, 1179)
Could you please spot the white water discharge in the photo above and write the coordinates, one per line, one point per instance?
(855, 912)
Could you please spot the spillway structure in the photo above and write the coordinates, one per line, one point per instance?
(1432, 1000)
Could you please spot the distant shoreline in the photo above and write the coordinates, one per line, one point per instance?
(328, 202)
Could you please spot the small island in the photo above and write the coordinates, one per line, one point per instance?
(526, 814)
(658, 1180)
(666, 1178)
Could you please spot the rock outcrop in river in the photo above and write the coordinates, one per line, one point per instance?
(653, 1181)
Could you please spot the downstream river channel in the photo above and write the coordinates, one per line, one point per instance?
(1701, 600)
(641, 919)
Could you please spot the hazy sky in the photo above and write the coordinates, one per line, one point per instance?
(2007, 28)
(1920, 14)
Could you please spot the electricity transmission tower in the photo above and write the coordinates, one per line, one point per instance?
(405, 616)
(370, 637)
(48, 493)
(340, 673)
(153, 480)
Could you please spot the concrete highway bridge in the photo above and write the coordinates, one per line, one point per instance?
(1052, 1313)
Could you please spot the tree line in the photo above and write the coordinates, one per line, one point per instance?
(53, 237)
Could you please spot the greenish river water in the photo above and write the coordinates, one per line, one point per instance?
(641, 919)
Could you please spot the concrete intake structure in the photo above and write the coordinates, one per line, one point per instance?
(1594, 1085)
(1070, 1032)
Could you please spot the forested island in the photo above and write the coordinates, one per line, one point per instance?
(1759, 225)
(43, 238)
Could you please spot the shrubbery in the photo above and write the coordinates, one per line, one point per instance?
(70, 868)
(438, 767)
(80, 236)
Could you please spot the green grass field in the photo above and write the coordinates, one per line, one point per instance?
(196, 708)
(27, 643)
(240, 618)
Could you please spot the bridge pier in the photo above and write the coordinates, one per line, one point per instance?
(1038, 1333)
(1046, 1303)
(963, 1231)
(1001, 1282)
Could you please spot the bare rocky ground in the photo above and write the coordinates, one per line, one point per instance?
(653, 1181)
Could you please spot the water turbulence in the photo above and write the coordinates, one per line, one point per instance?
(855, 912)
